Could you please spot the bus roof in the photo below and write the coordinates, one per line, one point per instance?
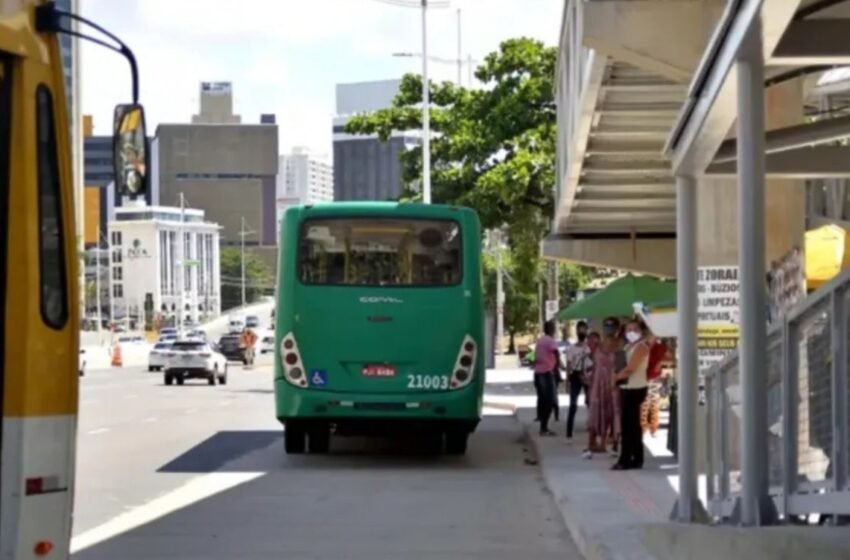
(371, 208)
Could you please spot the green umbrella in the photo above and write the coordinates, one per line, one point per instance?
(619, 297)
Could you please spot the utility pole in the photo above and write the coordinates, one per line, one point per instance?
(469, 69)
(459, 50)
(426, 116)
(500, 291)
(97, 283)
(180, 257)
(242, 235)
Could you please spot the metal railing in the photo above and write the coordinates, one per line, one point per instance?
(807, 411)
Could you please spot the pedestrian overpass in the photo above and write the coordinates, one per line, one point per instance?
(657, 174)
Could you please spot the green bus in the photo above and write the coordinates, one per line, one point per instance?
(380, 324)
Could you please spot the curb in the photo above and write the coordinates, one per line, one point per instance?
(501, 406)
(587, 545)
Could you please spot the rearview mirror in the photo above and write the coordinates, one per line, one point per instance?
(129, 150)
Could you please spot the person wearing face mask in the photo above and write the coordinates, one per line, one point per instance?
(614, 341)
(633, 388)
(577, 366)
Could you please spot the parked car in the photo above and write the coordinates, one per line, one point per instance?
(229, 346)
(82, 362)
(167, 331)
(190, 359)
(168, 338)
(267, 343)
(159, 355)
(252, 321)
(235, 326)
(197, 334)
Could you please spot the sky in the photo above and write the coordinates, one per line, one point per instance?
(285, 56)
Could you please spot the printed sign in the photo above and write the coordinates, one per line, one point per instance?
(551, 309)
(786, 283)
(719, 314)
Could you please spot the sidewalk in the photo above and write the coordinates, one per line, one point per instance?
(624, 515)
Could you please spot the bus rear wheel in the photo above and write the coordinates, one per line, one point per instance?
(456, 441)
(294, 439)
(320, 439)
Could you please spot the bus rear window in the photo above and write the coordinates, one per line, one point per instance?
(380, 252)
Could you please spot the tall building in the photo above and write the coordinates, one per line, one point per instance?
(364, 167)
(226, 168)
(306, 177)
(144, 263)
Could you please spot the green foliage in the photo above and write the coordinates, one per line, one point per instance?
(492, 149)
(258, 277)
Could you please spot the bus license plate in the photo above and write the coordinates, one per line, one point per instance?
(379, 371)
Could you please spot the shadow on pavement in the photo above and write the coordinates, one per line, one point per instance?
(220, 449)
(337, 507)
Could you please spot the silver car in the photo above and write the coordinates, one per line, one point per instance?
(159, 355)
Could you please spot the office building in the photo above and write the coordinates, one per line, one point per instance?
(364, 167)
(144, 259)
(306, 177)
(226, 168)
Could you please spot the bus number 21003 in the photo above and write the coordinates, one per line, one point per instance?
(427, 382)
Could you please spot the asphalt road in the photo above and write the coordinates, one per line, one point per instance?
(196, 471)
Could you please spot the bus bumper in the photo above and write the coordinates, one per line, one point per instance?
(309, 404)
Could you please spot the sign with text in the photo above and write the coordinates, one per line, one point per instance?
(786, 283)
(718, 312)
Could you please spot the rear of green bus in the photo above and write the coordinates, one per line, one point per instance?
(379, 323)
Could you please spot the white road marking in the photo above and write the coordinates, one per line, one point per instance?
(191, 410)
(98, 431)
(224, 403)
(193, 491)
(151, 419)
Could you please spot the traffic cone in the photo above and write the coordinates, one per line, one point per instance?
(116, 356)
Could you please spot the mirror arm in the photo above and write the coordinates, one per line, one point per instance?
(48, 19)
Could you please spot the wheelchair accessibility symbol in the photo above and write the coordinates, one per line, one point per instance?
(318, 378)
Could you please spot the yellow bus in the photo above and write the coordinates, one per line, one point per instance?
(39, 311)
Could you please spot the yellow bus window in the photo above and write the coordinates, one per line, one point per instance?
(54, 296)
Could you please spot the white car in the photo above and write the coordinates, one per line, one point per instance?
(236, 326)
(267, 343)
(191, 359)
(159, 355)
(131, 339)
(82, 362)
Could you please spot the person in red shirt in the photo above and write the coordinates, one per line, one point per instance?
(547, 363)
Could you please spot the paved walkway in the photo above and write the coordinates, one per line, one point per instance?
(624, 515)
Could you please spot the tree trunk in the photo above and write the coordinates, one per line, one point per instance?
(511, 344)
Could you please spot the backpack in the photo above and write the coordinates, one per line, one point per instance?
(656, 356)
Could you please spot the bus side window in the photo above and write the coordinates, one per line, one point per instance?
(54, 296)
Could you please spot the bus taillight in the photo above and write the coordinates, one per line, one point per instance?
(464, 369)
(290, 359)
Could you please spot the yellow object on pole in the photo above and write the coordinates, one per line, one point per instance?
(827, 254)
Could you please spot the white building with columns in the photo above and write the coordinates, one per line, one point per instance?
(144, 260)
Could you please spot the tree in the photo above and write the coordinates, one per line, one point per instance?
(258, 277)
(521, 306)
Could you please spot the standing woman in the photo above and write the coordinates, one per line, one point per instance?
(601, 413)
(633, 388)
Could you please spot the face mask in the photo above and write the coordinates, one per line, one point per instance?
(582, 336)
(609, 331)
(632, 336)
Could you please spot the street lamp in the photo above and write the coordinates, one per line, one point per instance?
(426, 124)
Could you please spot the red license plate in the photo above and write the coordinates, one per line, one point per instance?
(379, 371)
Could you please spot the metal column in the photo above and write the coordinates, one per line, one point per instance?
(755, 507)
(688, 508)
